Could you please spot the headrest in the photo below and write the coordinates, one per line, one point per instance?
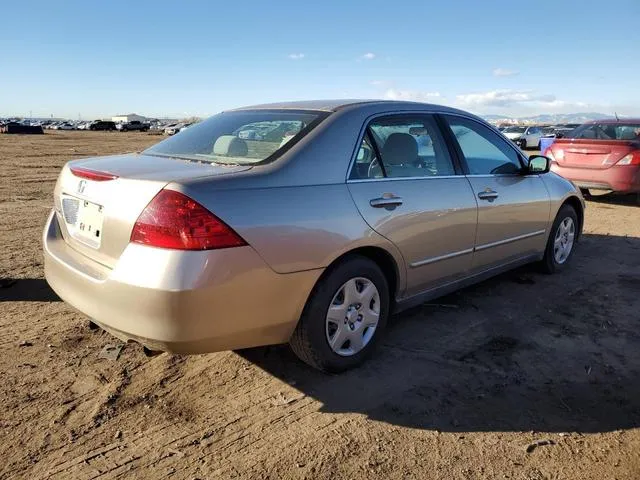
(400, 148)
(230, 146)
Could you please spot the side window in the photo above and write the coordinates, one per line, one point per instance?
(484, 151)
(402, 146)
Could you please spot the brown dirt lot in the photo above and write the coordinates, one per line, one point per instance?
(461, 388)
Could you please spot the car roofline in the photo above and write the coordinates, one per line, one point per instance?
(337, 105)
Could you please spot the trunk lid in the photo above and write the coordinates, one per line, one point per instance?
(96, 217)
(592, 154)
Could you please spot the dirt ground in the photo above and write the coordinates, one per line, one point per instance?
(525, 376)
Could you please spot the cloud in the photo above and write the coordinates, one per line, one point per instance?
(504, 98)
(368, 56)
(411, 95)
(378, 83)
(296, 56)
(504, 72)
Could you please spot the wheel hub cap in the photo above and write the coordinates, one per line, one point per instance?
(564, 239)
(353, 316)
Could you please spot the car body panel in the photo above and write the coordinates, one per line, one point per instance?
(434, 228)
(515, 223)
(184, 302)
(298, 215)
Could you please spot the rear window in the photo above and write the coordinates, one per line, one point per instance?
(607, 131)
(514, 130)
(245, 137)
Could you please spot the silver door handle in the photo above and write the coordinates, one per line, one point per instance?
(386, 202)
(488, 195)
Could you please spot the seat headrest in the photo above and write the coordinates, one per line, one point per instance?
(400, 148)
(230, 146)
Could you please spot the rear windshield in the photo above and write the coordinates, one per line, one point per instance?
(607, 131)
(514, 130)
(245, 137)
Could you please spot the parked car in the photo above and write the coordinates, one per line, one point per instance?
(103, 125)
(173, 128)
(207, 241)
(600, 155)
(65, 126)
(133, 126)
(525, 137)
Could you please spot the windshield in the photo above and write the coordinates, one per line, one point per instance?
(246, 137)
(514, 130)
(607, 131)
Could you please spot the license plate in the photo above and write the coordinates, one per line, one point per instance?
(87, 227)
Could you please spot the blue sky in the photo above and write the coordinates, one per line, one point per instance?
(158, 58)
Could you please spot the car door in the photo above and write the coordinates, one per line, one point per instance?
(408, 189)
(513, 207)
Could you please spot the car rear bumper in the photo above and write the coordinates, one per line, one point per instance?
(177, 301)
(620, 179)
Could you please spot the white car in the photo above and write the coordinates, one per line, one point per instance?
(526, 137)
(65, 126)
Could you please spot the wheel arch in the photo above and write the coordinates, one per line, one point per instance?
(575, 202)
(381, 257)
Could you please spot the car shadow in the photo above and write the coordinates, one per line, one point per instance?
(632, 200)
(26, 290)
(523, 351)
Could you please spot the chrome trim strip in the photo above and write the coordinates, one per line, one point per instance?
(388, 179)
(442, 257)
(476, 249)
(509, 240)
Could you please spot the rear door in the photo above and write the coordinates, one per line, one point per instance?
(513, 209)
(407, 188)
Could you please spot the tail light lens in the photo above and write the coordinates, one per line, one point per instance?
(631, 159)
(94, 175)
(173, 220)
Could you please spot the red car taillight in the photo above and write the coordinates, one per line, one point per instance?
(173, 220)
(631, 159)
(92, 174)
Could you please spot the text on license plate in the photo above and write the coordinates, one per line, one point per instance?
(88, 227)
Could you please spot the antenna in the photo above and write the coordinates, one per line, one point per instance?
(616, 114)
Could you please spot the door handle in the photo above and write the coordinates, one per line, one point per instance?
(386, 201)
(488, 194)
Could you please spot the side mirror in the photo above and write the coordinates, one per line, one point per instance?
(538, 164)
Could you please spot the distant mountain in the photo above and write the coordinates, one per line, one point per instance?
(551, 118)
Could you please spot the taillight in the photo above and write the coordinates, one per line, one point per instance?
(173, 220)
(92, 174)
(631, 159)
(548, 153)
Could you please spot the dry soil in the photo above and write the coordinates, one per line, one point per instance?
(526, 376)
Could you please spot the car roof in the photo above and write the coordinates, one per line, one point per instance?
(335, 105)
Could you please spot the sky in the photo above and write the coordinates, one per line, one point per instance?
(195, 58)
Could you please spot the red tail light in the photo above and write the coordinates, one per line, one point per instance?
(92, 174)
(173, 220)
(631, 159)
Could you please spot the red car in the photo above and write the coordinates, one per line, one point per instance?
(600, 155)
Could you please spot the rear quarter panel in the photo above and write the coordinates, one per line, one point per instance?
(295, 228)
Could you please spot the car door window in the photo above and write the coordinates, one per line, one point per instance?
(483, 150)
(402, 146)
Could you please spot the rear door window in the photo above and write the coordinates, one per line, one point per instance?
(402, 146)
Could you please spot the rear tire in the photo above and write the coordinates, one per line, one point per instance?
(523, 144)
(311, 339)
(562, 240)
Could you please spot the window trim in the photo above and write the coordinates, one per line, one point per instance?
(463, 161)
(364, 130)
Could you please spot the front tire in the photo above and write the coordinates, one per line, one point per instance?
(523, 144)
(562, 240)
(344, 317)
